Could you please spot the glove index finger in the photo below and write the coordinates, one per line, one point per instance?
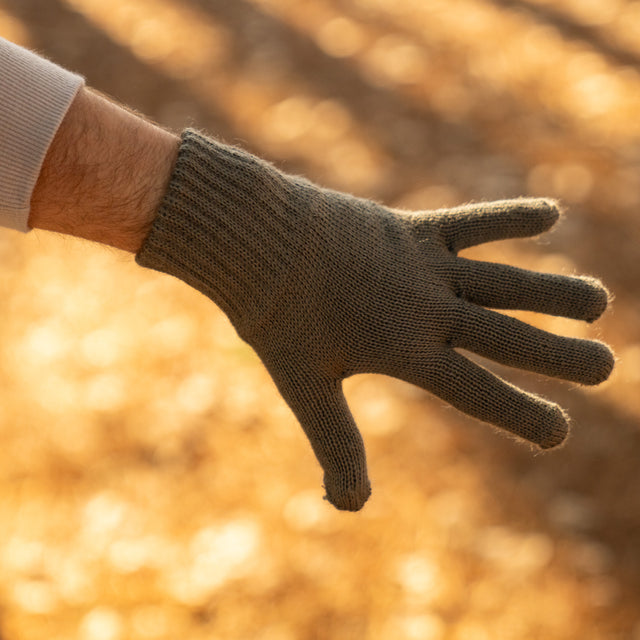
(474, 224)
(480, 393)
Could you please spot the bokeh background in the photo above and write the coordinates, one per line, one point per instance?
(153, 485)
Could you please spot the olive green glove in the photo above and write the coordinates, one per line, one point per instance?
(324, 285)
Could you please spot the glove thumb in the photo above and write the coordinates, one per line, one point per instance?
(321, 408)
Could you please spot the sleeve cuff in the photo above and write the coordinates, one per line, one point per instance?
(35, 95)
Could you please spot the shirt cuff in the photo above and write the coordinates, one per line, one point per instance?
(35, 95)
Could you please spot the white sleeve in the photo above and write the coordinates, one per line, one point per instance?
(35, 95)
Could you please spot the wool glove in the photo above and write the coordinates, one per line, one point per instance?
(324, 285)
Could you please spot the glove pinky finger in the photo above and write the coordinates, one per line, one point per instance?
(479, 393)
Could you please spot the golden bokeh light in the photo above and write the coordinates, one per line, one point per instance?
(154, 485)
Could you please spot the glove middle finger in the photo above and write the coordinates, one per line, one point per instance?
(509, 341)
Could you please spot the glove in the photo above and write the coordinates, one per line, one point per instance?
(324, 285)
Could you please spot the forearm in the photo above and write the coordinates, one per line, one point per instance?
(104, 174)
(35, 95)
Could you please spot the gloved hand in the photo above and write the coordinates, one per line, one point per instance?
(324, 285)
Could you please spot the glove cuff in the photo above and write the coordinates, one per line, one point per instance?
(227, 226)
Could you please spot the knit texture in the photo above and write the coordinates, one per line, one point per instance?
(325, 285)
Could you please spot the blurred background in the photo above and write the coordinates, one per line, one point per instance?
(152, 482)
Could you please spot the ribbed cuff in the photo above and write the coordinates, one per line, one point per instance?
(227, 227)
(35, 95)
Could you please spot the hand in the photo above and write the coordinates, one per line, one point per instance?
(324, 285)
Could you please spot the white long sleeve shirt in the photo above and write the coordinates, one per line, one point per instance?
(35, 95)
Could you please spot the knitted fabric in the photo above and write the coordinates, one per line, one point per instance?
(324, 285)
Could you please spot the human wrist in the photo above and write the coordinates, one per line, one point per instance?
(104, 174)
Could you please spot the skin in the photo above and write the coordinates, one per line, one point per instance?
(107, 171)
(104, 174)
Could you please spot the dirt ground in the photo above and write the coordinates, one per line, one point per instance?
(152, 482)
